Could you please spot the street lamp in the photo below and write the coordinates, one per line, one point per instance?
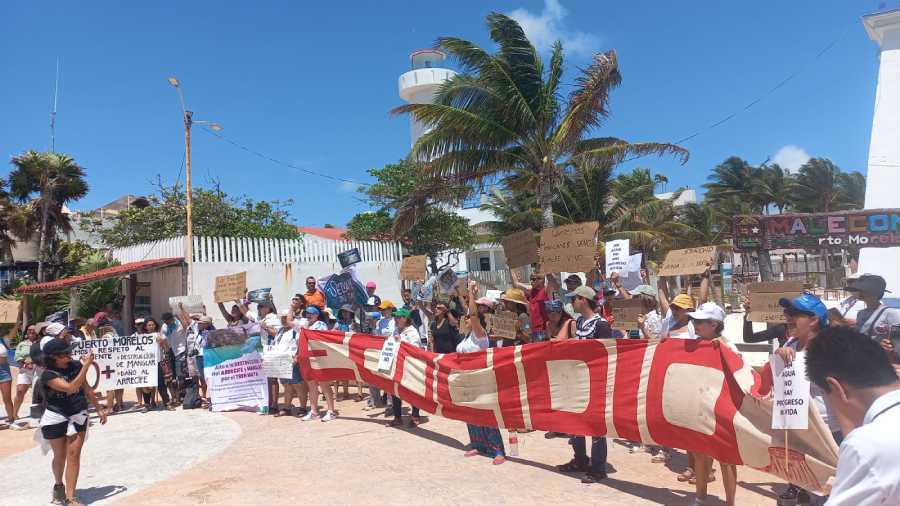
(188, 121)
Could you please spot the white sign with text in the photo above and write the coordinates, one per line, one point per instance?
(791, 389)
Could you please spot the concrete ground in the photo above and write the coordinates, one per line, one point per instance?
(198, 457)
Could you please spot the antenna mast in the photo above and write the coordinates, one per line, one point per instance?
(53, 112)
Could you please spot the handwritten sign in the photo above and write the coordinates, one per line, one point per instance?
(9, 311)
(191, 303)
(687, 261)
(520, 249)
(569, 248)
(504, 324)
(413, 268)
(387, 356)
(277, 363)
(230, 287)
(616, 253)
(626, 312)
(791, 390)
(120, 361)
(764, 299)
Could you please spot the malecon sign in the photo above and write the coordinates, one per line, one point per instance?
(869, 228)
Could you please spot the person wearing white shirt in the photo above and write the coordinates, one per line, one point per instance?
(287, 341)
(862, 387)
(407, 333)
(313, 314)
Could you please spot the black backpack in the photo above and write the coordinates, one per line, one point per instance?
(191, 395)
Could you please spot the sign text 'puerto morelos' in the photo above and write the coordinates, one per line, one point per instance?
(869, 228)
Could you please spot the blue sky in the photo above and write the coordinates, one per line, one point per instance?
(311, 83)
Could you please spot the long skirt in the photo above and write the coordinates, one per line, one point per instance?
(487, 440)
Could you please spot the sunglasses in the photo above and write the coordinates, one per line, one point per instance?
(792, 312)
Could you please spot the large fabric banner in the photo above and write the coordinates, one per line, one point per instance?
(120, 361)
(687, 394)
(232, 366)
(343, 288)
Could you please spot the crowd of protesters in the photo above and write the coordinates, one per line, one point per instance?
(458, 321)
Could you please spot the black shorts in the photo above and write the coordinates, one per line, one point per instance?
(58, 430)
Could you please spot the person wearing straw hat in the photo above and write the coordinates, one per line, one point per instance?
(514, 300)
(676, 322)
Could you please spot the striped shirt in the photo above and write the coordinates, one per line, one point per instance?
(594, 327)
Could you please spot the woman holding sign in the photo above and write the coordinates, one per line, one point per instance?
(65, 419)
(485, 441)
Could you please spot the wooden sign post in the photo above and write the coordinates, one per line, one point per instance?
(569, 248)
(230, 287)
(688, 261)
(413, 268)
(520, 249)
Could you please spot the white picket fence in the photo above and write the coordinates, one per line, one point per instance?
(258, 250)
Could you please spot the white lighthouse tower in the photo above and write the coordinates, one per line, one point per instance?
(884, 147)
(419, 85)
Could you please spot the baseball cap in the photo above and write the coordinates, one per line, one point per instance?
(57, 346)
(644, 290)
(683, 300)
(386, 304)
(486, 301)
(868, 283)
(347, 307)
(312, 310)
(402, 312)
(583, 291)
(54, 329)
(328, 313)
(371, 284)
(809, 304)
(708, 311)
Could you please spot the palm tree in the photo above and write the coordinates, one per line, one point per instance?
(48, 181)
(821, 186)
(504, 113)
(515, 211)
(775, 187)
(736, 182)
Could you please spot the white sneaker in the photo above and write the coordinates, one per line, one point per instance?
(310, 416)
(329, 416)
(20, 426)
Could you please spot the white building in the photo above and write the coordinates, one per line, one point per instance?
(418, 86)
(884, 146)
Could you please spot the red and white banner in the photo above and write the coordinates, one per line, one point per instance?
(687, 394)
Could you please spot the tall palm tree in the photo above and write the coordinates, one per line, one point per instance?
(735, 181)
(48, 181)
(504, 113)
(774, 187)
(821, 186)
(515, 211)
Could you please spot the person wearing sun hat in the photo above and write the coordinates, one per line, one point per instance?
(386, 326)
(514, 300)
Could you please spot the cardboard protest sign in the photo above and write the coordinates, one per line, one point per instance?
(764, 299)
(616, 253)
(447, 280)
(504, 324)
(277, 363)
(626, 312)
(570, 248)
(191, 303)
(520, 249)
(230, 287)
(232, 366)
(687, 261)
(120, 361)
(414, 268)
(791, 391)
(9, 311)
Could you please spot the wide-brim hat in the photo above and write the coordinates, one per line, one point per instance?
(515, 295)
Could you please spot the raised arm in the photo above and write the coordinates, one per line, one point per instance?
(704, 283)
(554, 286)
(71, 387)
(225, 313)
(183, 317)
(617, 284)
(474, 321)
(662, 290)
(517, 280)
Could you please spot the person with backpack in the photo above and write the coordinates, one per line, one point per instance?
(876, 319)
(65, 420)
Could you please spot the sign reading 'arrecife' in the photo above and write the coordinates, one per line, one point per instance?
(870, 228)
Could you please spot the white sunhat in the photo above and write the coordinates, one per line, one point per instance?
(708, 311)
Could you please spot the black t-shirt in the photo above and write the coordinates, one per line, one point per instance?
(445, 336)
(61, 402)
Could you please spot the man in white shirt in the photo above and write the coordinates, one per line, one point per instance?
(864, 389)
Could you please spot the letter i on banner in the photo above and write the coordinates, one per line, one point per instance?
(791, 392)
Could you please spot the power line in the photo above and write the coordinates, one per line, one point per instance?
(279, 162)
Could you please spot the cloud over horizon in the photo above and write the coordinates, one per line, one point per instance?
(791, 157)
(547, 27)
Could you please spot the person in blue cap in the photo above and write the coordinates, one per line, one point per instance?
(806, 316)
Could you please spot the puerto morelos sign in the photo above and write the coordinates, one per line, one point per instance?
(869, 228)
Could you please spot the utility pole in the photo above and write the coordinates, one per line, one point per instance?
(188, 117)
(53, 112)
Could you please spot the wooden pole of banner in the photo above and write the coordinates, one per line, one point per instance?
(787, 460)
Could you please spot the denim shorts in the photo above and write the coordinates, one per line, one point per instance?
(295, 380)
(5, 373)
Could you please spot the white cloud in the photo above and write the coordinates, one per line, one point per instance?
(791, 157)
(547, 27)
(347, 186)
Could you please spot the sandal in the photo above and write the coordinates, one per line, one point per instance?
(660, 458)
(686, 475)
(712, 478)
(73, 502)
(499, 459)
(573, 466)
(395, 423)
(471, 453)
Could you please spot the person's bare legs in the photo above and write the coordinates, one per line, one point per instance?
(289, 398)
(328, 392)
(73, 462)
(702, 464)
(139, 393)
(120, 396)
(58, 446)
(6, 392)
(729, 479)
(303, 394)
(313, 397)
(21, 390)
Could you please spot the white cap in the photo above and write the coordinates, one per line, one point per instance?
(708, 311)
(54, 329)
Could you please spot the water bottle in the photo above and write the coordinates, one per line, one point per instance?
(264, 410)
(513, 444)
